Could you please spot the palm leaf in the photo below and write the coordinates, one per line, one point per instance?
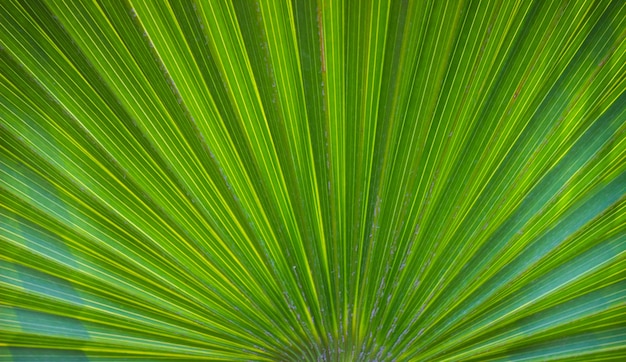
(312, 180)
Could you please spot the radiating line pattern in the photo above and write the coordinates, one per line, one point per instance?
(314, 180)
